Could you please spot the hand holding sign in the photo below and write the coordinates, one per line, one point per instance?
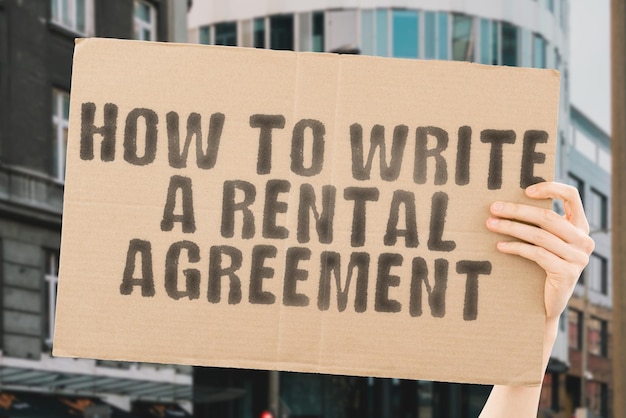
(561, 245)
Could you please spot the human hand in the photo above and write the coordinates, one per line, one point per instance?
(561, 245)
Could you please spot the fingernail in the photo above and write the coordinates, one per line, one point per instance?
(502, 244)
(531, 190)
(493, 221)
(497, 206)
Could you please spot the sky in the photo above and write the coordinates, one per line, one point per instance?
(590, 59)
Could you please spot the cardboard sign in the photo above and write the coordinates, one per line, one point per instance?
(299, 211)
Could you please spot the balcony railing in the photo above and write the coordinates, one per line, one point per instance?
(31, 189)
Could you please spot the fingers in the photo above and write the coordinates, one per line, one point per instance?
(538, 237)
(544, 231)
(543, 221)
(559, 244)
(570, 196)
(547, 260)
(561, 275)
(557, 257)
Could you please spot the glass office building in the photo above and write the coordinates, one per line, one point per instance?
(528, 33)
(525, 33)
(399, 32)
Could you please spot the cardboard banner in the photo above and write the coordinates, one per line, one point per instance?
(299, 211)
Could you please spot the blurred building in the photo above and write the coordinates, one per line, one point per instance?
(36, 45)
(529, 33)
(589, 379)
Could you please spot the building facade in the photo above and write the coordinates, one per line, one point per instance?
(529, 33)
(36, 46)
(589, 379)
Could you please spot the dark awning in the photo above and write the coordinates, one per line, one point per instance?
(557, 366)
(15, 404)
(92, 385)
(78, 406)
(159, 410)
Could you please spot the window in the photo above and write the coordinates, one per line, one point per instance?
(598, 398)
(572, 180)
(539, 51)
(597, 208)
(368, 32)
(510, 44)
(495, 43)
(51, 277)
(145, 21)
(574, 328)
(204, 35)
(485, 41)
(60, 119)
(598, 274)
(462, 38)
(442, 38)
(281, 32)
(318, 32)
(598, 337)
(430, 35)
(74, 15)
(259, 32)
(381, 33)
(226, 34)
(405, 30)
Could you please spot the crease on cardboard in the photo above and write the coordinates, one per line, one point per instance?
(338, 63)
(281, 316)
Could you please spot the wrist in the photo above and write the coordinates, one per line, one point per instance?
(549, 337)
(551, 329)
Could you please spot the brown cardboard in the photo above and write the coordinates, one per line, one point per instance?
(116, 212)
